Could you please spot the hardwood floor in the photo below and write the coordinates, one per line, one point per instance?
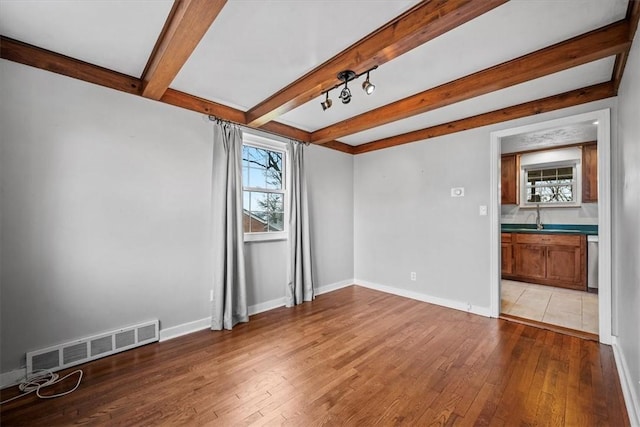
(352, 357)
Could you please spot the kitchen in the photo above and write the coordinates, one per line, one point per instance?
(549, 228)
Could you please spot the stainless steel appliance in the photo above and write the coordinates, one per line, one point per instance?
(592, 263)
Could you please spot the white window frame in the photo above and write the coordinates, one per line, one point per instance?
(577, 186)
(262, 142)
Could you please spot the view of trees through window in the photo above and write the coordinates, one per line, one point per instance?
(263, 190)
(550, 185)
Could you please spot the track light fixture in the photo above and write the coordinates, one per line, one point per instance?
(345, 94)
(326, 103)
(367, 86)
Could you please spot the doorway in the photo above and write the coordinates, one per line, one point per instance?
(519, 289)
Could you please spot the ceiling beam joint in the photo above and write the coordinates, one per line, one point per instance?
(592, 46)
(187, 23)
(423, 22)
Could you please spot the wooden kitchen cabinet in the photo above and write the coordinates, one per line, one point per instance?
(530, 262)
(549, 259)
(590, 172)
(506, 254)
(509, 179)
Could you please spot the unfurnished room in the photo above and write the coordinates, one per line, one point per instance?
(320, 212)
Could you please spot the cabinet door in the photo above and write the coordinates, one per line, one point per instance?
(509, 180)
(565, 266)
(507, 259)
(530, 261)
(590, 173)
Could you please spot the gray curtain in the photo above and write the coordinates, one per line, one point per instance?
(229, 305)
(300, 282)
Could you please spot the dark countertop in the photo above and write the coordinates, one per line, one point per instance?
(590, 230)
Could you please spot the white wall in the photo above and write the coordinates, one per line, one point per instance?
(104, 210)
(406, 220)
(626, 220)
(330, 180)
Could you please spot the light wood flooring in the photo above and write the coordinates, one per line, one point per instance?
(351, 357)
(556, 306)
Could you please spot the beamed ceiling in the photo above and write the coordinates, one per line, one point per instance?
(443, 65)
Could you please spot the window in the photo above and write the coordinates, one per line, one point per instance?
(264, 189)
(550, 185)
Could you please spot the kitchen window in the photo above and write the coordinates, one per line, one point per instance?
(551, 185)
(265, 199)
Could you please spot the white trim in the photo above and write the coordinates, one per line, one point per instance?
(278, 146)
(11, 378)
(266, 306)
(456, 305)
(576, 184)
(205, 323)
(604, 210)
(604, 225)
(184, 329)
(266, 236)
(631, 398)
(334, 286)
(495, 184)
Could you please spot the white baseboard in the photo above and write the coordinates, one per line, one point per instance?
(457, 305)
(184, 329)
(11, 378)
(266, 306)
(629, 390)
(334, 286)
(198, 325)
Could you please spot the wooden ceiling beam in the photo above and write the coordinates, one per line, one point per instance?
(633, 16)
(551, 103)
(26, 54)
(201, 105)
(598, 44)
(43, 59)
(187, 23)
(422, 23)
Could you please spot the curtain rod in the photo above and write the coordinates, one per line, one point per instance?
(213, 118)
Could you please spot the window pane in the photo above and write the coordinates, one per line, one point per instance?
(274, 170)
(550, 194)
(263, 211)
(550, 185)
(263, 168)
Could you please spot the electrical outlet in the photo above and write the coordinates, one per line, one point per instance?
(211, 295)
(413, 275)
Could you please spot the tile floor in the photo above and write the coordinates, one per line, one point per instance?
(557, 306)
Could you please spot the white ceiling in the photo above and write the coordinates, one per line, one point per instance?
(256, 47)
(554, 137)
(115, 34)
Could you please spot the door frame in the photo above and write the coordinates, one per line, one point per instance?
(604, 211)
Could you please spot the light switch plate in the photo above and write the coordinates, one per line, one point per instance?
(483, 210)
(457, 192)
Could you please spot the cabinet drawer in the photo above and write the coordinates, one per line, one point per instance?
(506, 238)
(549, 239)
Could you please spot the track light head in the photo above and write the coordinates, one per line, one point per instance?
(367, 86)
(345, 95)
(326, 103)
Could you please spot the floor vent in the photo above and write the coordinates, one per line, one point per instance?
(90, 348)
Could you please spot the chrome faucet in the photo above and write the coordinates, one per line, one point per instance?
(539, 225)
